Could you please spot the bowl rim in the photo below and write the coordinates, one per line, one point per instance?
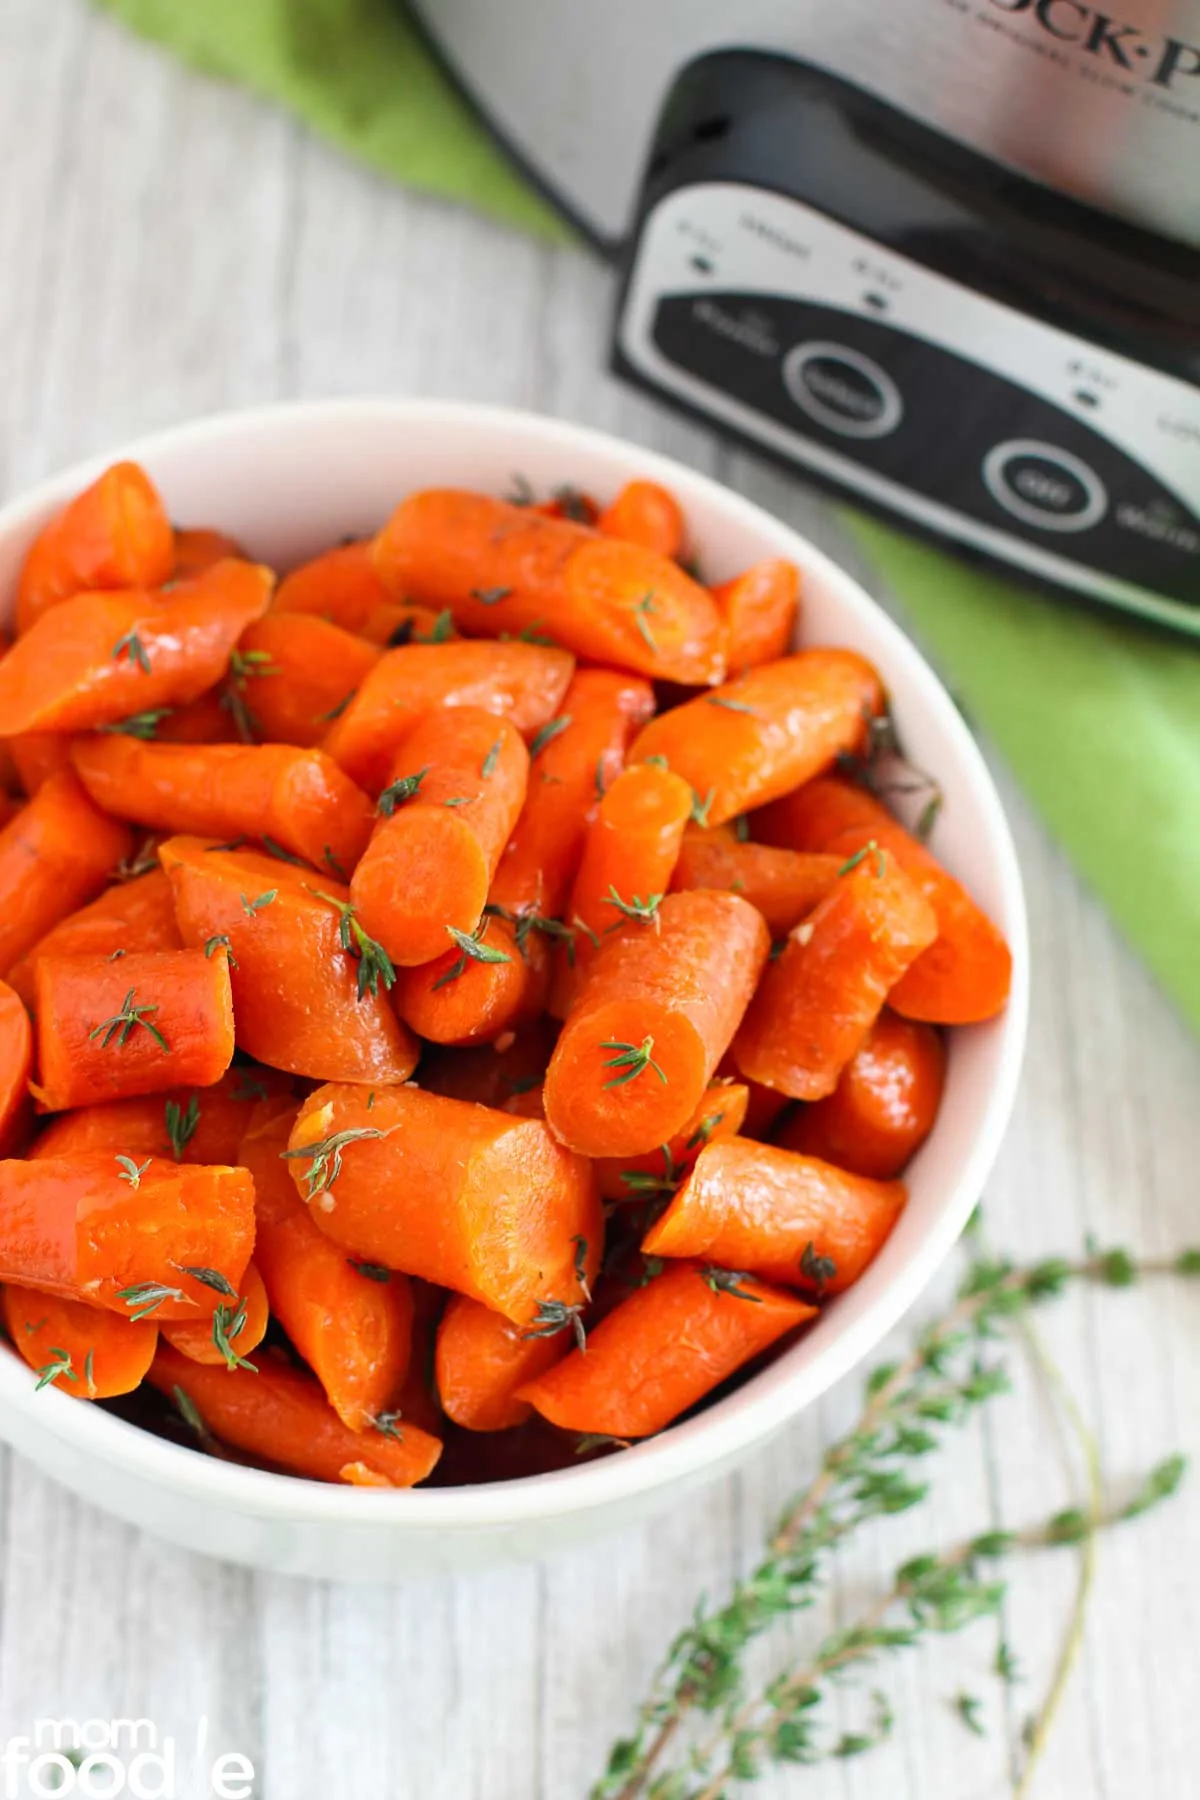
(701, 1446)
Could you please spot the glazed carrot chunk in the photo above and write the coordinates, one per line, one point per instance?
(764, 733)
(125, 1236)
(305, 673)
(192, 1125)
(661, 1350)
(653, 1016)
(463, 1196)
(820, 997)
(500, 567)
(16, 1063)
(352, 1322)
(483, 1358)
(759, 609)
(883, 1107)
(790, 1219)
(151, 1020)
(115, 534)
(236, 1328)
(134, 915)
(340, 585)
(97, 659)
(720, 1114)
(80, 1350)
(645, 513)
(54, 855)
(457, 784)
(523, 683)
(784, 885)
(281, 1416)
(306, 982)
(198, 547)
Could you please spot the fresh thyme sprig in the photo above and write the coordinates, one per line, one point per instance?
(228, 1323)
(132, 646)
(374, 963)
(325, 1157)
(471, 949)
(244, 666)
(145, 1297)
(630, 1061)
(124, 1022)
(644, 912)
(138, 725)
(181, 1123)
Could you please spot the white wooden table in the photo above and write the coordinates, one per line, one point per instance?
(169, 248)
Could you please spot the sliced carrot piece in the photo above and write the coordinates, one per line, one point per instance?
(523, 683)
(883, 1107)
(813, 814)
(306, 993)
(788, 1218)
(192, 1125)
(198, 547)
(339, 585)
(16, 1063)
(305, 673)
(646, 513)
(661, 1350)
(81, 1350)
(759, 610)
(756, 737)
(133, 915)
(482, 1359)
(236, 1329)
(505, 568)
(280, 1416)
(784, 885)
(654, 1015)
(115, 534)
(463, 1196)
(720, 1114)
(55, 855)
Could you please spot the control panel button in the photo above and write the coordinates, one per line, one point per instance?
(842, 390)
(1044, 486)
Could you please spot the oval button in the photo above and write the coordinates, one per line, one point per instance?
(842, 390)
(1044, 486)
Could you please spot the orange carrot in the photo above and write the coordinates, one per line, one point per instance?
(198, 547)
(785, 885)
(280, 1416)
(133, 915)
(352, 1322)
(662, 1350)
(36, 756)
(820, 997)
(757, 737)
(392, 623)
(962, 978)
(151, 1020)
(340, 585)
(653, 1016)
(54, 856)
(305, 979)
(884, 1106)
(482, 1359)
(759, 609)
(151, 1239)
(115, 534)
(524, 683)
(235, 1330)
(305, 673)
(298, 799)
(505, 568)
(78, 1349)
(457, 784)
(790, 1219)
(645, 513)
(720, 1114)
(16, 1062)
(193, 1125)
(99, 659)
(460, 1195)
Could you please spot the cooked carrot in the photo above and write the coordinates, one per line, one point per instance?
(662, 1350)
(580, 754)
(460, 1195)
(392, 623)
(654, 1014)
(36, 756)
(884, 1106)
(764, 733)
(149, 1237)
(645, 513)
(192, 1125)
(81, 1350)
(306, 981)
(101, 658)
(820, 997)
(483, 1358)
(785, 885)
(456, 786)
(236, 1329)
(133, 915)
(524, 683)
(505, 568)
(198, 547)
(962, 978)
(759, 609)
(299, 799)
(54, 856)
(148, 1021)
(790, 1219)
(305, 673)
(340, 585)
(490, 1074)
(352, 1322)
(206, 720)
(16, 1062)
(720, 1114)
(280, 1416)
(115, 534)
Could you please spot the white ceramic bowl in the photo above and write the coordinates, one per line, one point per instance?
(289, 481)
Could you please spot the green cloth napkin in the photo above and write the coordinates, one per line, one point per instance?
(1099, 717)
